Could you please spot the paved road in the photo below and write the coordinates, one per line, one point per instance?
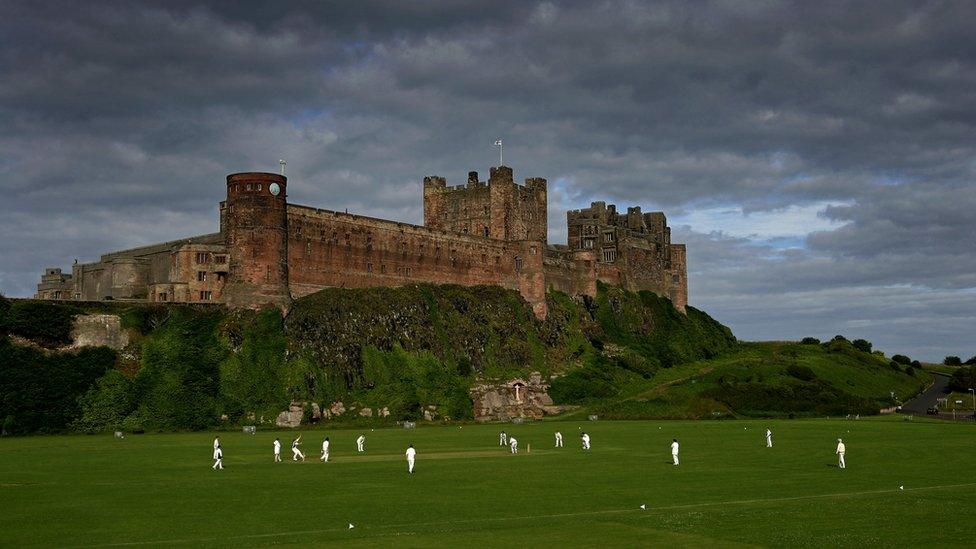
(928, 399)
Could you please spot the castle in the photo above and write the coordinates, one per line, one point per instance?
(494, 232)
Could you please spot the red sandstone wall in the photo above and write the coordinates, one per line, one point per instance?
(333, 249)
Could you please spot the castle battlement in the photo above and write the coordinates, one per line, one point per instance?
(483, 232)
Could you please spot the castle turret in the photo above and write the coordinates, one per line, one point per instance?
(256, 234)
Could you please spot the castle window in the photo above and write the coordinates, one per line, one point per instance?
(247, 187)
(220, 259)
(221, 277)
(206, 295)
(484, 259)
(201, 276)
(298, 230)
(608, 236)
(382, 268)
(260, 186)
(369, 267)
(587, 243)
(533, 250)
(162, 296)
(518, 263)
(676, 278)
(486, 210)
(609, 256)
(202, 257)
(486, 231)
(408, 271)
(267, 273)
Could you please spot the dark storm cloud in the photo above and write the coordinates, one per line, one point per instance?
(120, 121)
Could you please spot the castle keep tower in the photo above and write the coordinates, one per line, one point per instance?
(256, 233)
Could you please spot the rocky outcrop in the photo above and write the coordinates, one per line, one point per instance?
(291, 417)
(514, 398)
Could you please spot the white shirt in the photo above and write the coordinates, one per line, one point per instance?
(411, 453)
(512, 441)
(768, 433)
(325, 445)
(216, 444)
(559, 435)
(218, 453)
(294, 443)
(361, 439)
(586, 439)
(841, 448)
(277, 446)
(674, 447)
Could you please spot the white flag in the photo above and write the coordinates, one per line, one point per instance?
(498, 142)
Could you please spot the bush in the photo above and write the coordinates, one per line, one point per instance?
(801, 372)
(901, 359)
(916, 364)
(895, 366)
(963, 379)
(583, 385)
(43, 322)
(839, 337)
(810, 341)
(952, 361)
(971, 361)
(105, 406)
(862, 345)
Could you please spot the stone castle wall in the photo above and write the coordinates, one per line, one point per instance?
(494, 232)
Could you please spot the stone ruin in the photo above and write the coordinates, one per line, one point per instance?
(514, 398)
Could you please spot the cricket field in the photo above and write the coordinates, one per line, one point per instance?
(729, 491)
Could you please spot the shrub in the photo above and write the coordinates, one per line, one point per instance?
(963, 379)
(894, 366)
(580, 386)
(862, 345)
(952, 361)
(44, 322)
(901, 359)
(810, 341)
(839, 337)
(801, 372)
(916, 364)
(971, 361)
(105, 406)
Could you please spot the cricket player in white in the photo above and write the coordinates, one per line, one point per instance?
(513, 444)
(325, 450)
(502, 439)
(769, 438)
(216, 442)
(841, 450)
(277, 450)
(218, 458)
(586, 441)
(559, 439)
(361, 444)
(674, 450)
(411, 456)
(296, 452)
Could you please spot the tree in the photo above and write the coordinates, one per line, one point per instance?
(862, 345)
(963, 379)
(901, 359)
(952, 361)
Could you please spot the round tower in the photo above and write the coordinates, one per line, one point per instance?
(256, 234)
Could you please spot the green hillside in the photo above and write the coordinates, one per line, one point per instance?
(619, 354)
(774, 379)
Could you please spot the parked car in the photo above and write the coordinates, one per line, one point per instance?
(932, 411)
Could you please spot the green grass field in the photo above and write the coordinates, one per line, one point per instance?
(79, 491)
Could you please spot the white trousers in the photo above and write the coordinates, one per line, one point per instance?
(769, 442)
(296, 453)
(502, 440)
(219, 464)
(514, 448)
(325, 456)
(675, 458)
(410, 465)
(559, 442)
(840, 461)
(359, 446)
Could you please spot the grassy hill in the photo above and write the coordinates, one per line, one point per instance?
(773, 379)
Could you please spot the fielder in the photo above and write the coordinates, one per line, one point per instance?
(559, 439)
(325, 451)
(411, 456)
(218, 458)
(769, 438)
(513, 444)
(674, 451)
(361, 443)
(296, 452)
(502, 439)
(277, 450)
(586, 441)
(841, 450)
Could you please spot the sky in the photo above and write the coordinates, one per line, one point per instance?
(818, 158)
